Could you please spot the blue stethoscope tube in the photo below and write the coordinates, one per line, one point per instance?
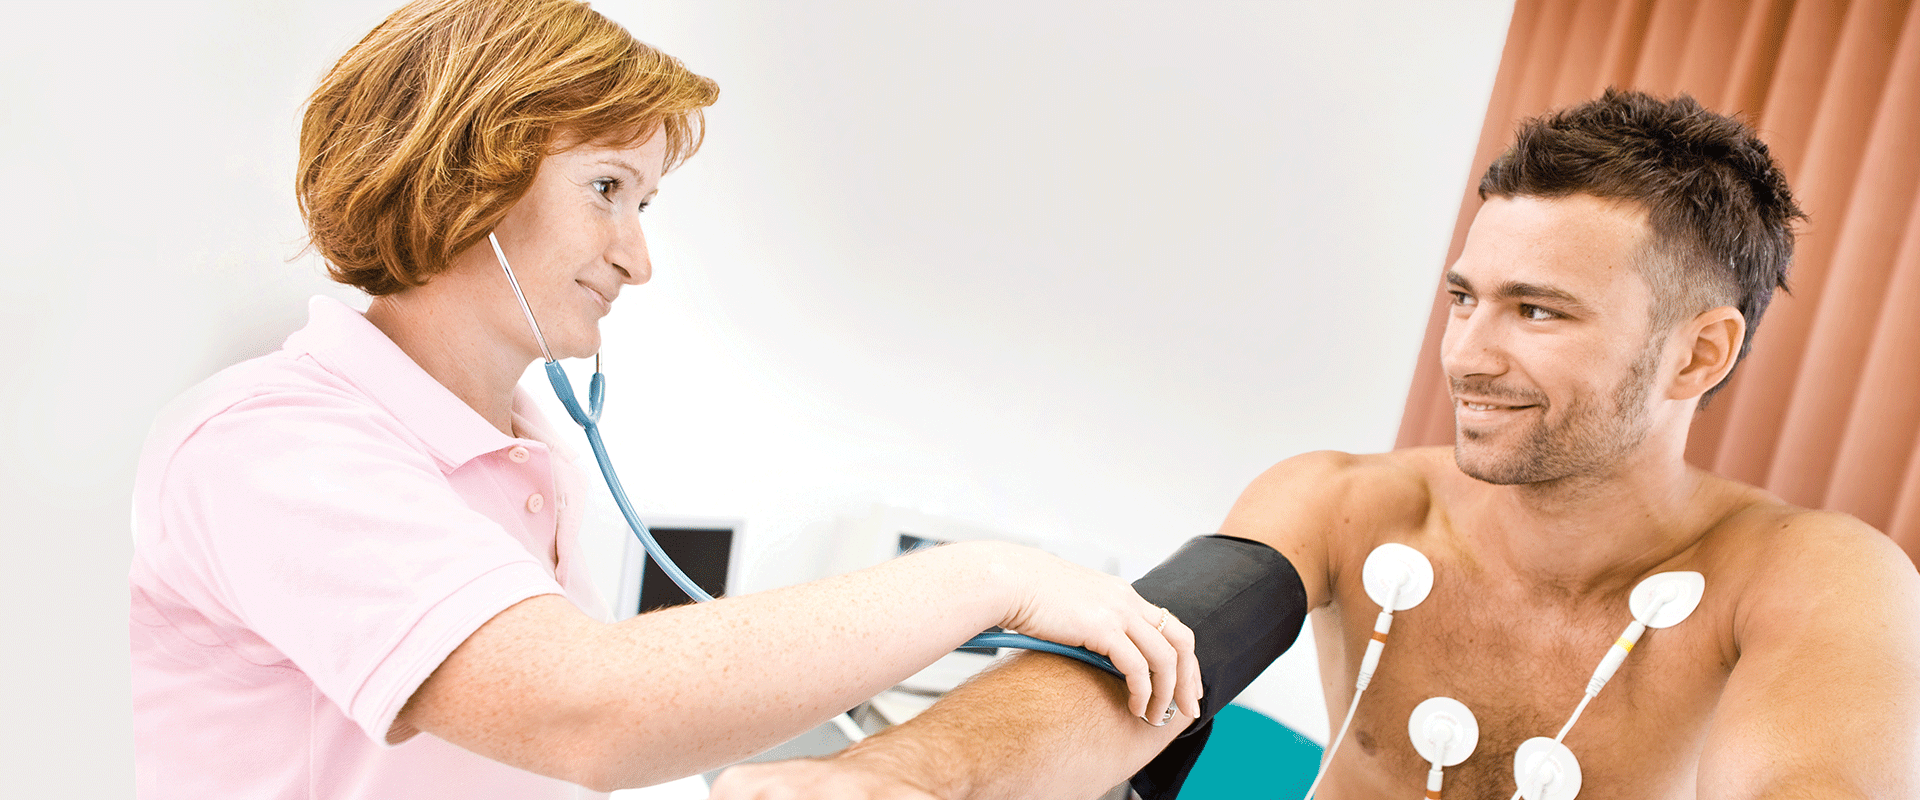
(589, 421)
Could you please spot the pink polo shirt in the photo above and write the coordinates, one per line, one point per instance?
(314, 531)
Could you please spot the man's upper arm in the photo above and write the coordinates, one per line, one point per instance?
(1825, 698)
(1300, 505)
(1042, 726)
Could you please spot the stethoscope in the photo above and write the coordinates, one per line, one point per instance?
(589, 420)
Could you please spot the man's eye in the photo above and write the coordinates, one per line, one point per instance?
(1536, 313)
(1462, 298)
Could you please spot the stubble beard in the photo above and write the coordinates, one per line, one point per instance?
(1587, 439)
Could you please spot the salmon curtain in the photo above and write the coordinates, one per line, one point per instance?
(1825, 412)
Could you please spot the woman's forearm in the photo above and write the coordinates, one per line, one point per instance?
(1037, 726)
(689, 688)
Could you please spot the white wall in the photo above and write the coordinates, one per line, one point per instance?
(1073, 271)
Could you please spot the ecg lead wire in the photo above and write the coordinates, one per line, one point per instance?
(1397, 577)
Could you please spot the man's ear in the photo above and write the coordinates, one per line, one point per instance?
(1710, 347)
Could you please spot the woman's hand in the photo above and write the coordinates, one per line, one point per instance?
(1063, 602)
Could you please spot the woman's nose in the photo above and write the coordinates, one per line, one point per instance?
(630, 256)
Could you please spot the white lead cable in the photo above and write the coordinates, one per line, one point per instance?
(1397, 577)
(1660, 601)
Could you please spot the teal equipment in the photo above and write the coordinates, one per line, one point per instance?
(1250, 757)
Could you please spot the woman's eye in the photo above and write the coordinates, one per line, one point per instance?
(644, 204)
(604, 185)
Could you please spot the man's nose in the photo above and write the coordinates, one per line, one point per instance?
(1471, 345)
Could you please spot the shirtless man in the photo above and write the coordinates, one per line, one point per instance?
(1608, 286)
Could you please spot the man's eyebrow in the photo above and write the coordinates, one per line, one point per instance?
(1533, 291)
(1519, 290)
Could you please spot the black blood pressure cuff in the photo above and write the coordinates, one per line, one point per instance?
(1245, 604)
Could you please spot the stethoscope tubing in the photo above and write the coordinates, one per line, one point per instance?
(589, 421)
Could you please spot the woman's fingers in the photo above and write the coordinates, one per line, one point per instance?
(1176, 681)
(1164, 661)
(1190, 690)
(1072, 605)
(1135, 670)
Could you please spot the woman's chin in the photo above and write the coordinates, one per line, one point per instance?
(578, 347)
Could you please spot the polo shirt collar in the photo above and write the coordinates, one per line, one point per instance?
(343, 342)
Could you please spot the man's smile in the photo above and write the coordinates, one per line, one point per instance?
(1485, 405)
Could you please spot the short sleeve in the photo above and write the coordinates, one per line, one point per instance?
(325, 530)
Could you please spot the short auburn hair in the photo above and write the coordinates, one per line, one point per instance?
(1718, 205)
(430, 128)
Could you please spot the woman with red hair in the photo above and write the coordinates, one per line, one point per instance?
(356, 571)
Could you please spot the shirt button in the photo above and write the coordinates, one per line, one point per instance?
(518, 454)
(535, 502)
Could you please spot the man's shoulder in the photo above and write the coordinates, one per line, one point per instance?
(1772, 533)
(1811, 598)
(1400, 470)
(1326, 509)
(1790, 562)
(1379, 485)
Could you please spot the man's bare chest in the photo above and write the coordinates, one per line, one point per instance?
(1521, 666)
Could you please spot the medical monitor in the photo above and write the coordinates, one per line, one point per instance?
(706, 548)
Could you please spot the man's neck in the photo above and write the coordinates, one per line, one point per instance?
(1591, 533)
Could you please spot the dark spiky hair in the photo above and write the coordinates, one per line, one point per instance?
(1718, 206)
